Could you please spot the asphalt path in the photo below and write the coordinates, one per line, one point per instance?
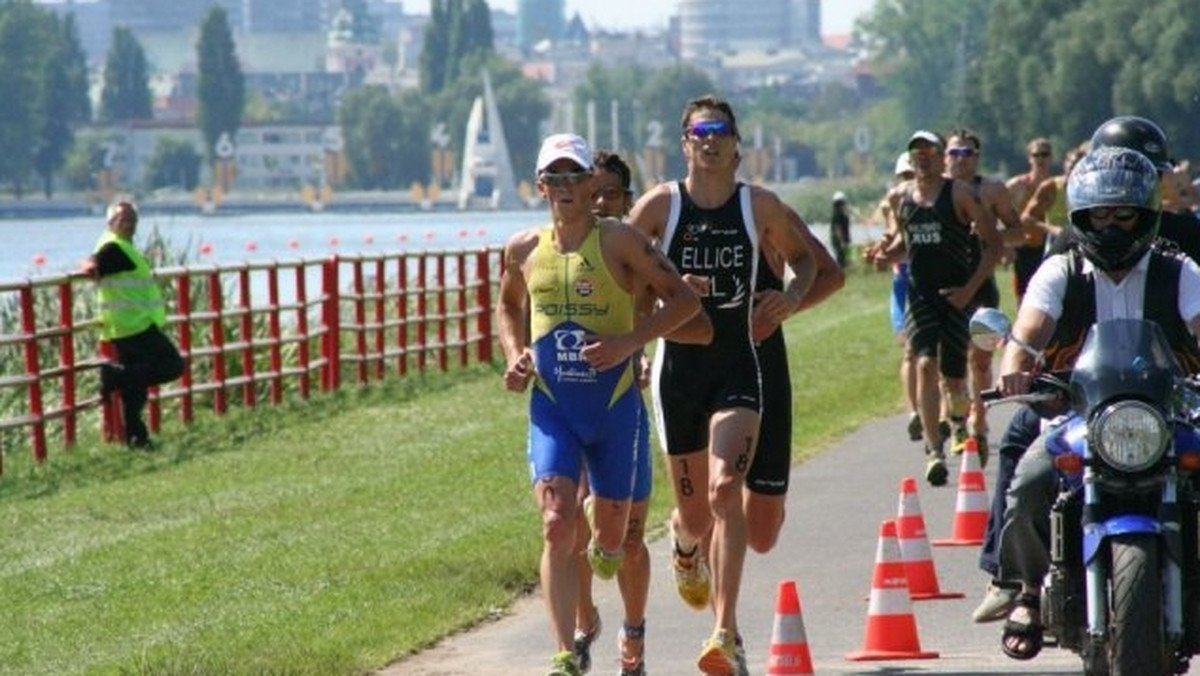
(836, 504)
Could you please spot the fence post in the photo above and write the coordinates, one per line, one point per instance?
(216, 304)
(274, 335)
(183, 306)
(250, 388)
(302, 328)
(112, 425)
(66, 352)
(422, 311)
(484, 295)
(360, 320)
(380, 305)
(32, 369)
(402, 313)
(461, 302)
(331, 376)
(441, 312)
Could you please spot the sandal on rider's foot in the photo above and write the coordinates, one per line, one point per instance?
(1022, 638)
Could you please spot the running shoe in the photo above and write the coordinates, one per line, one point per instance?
(959, 436)
(718, 657)
(915, 431)
(935, 470)
(691, 576)
(582, 645)
(563, 664)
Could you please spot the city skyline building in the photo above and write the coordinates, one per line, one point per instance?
(707, 27)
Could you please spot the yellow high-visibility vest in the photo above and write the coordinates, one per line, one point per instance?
(130, 301)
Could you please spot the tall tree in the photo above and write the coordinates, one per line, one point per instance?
(385, 149)
(435, 54)
(458, 30)
(24, 37)
(926, 51)
(63, 101)
(220, 84)
(126, 92)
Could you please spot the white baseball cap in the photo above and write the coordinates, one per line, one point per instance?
(903, 164)
(927, 136)
(564, 146)
(839, 196)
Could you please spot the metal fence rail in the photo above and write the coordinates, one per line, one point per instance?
(251, 334)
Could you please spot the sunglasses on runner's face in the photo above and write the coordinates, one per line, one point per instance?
(1118, 214)
(961, 152)
(564, 178)
(1040, 154)
(710, 128)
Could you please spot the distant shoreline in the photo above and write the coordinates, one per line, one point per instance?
(38, 207)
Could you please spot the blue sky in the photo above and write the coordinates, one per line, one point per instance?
(836, 15)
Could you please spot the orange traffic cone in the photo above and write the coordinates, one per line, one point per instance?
(971, 506)
(789, 645)
(891, 632)
(914, 547)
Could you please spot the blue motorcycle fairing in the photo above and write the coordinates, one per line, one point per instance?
(1187, 438)
(1068, 435)
(1094, 534)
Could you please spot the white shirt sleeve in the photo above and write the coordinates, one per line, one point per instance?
(1049, 284)
(1189, 290)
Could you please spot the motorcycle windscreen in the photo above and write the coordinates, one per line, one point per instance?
(1129, 358)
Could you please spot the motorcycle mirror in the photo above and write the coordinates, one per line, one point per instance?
(989, 328)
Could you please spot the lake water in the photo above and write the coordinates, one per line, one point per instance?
(51, 246)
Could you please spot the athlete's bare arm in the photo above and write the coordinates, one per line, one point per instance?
(512, 312)
(777, 232)
(999, 201)
(640, 265)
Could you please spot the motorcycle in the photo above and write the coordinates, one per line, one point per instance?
(1123, 588)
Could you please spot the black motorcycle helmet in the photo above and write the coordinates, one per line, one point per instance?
(1135, 133)
(1113, 177)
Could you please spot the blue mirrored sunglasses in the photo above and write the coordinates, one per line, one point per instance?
(961, 152)
(708, 128)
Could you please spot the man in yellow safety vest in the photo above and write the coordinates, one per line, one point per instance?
(133, 314)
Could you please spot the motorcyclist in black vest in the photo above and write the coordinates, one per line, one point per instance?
(1178, 230)
(1115, 270)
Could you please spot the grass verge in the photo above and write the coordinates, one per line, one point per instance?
(336, 535)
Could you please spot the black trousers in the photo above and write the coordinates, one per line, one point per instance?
(147, 358)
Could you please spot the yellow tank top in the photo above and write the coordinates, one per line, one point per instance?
(572, 294)
(575, 286)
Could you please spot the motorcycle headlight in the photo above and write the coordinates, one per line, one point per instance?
(1130, 435)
